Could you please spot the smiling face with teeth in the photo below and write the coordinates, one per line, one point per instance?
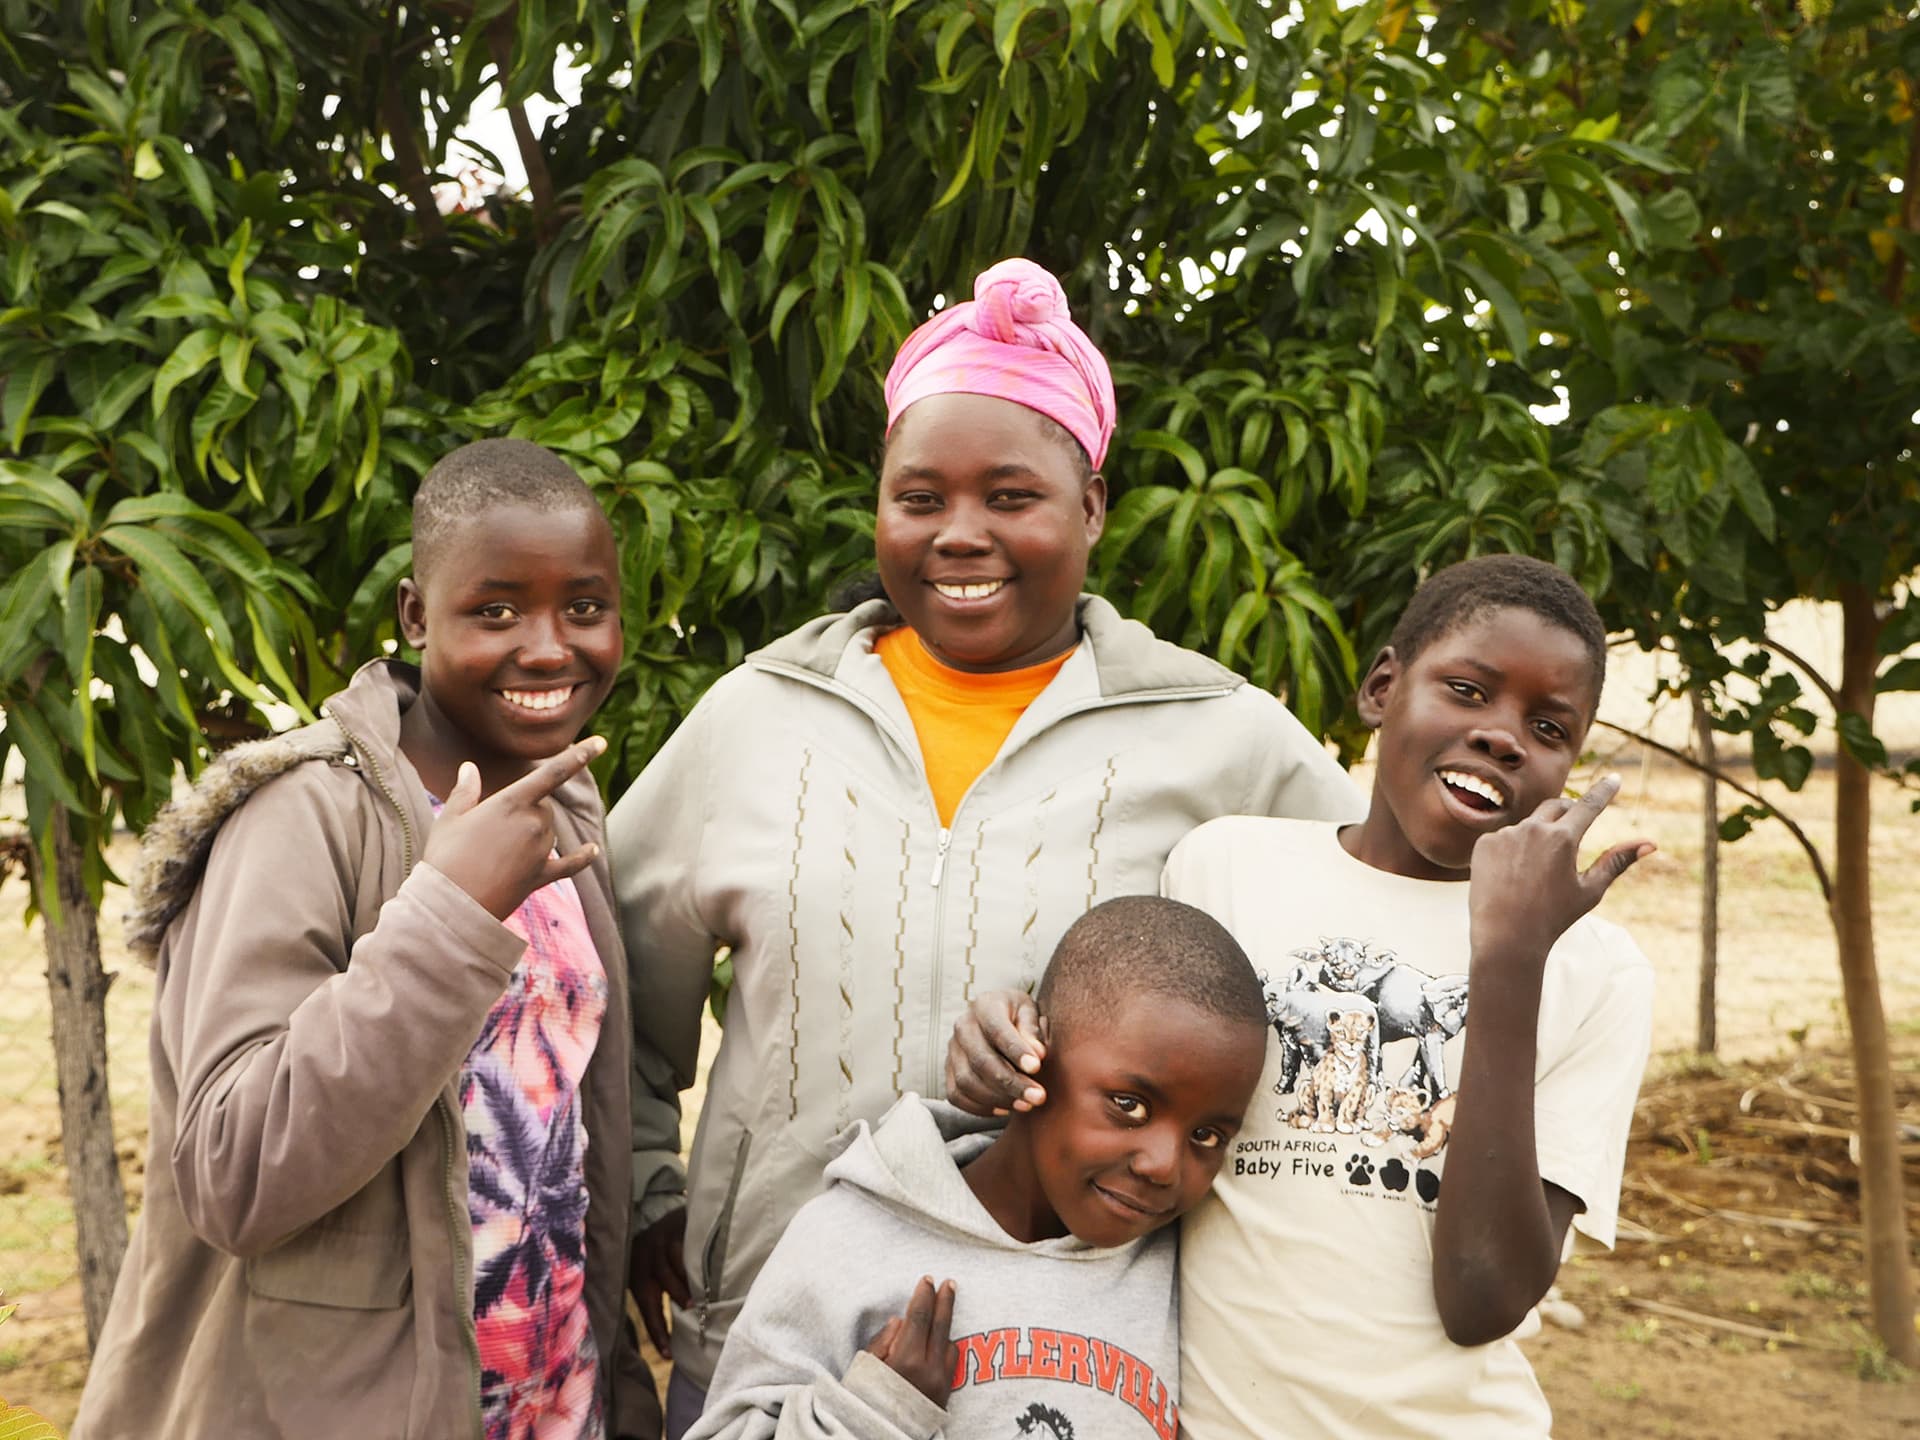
(1479, 729)
(987, 513)
(518, 629)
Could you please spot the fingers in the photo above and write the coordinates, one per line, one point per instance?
(1612, 865)
(1580, 814)
(466, 790)
(881, 1346)
(983, 1077)
(674, 1281)
(653, 1315)
(563, 867)
(920, 1312)
(1010, 1024)
(940, 1329)
(553, 772)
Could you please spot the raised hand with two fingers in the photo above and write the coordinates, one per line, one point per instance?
(500, 849)
(1528, 888)
(918, 1346)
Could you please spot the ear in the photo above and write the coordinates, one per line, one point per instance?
(1093, 506)
(1371, 701)
(412, 605)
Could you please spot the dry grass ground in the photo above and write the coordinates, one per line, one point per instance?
(1629, 1372)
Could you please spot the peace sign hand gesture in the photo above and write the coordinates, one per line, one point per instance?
(1527, 888)
(500, 849)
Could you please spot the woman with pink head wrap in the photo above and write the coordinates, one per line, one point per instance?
(1015, 340)
(891, 811)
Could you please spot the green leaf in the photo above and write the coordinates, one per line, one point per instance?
(23, 391)
(189, 358)
(235, 351)
(1506, 310)
(24, 483)
(1901, 675)
(29, 730)
(146, 164)
(1191, 460)
(1219, 19)
(116, 398)
(79, 622)
(1860, 741)
(162, 564)
(24, 600)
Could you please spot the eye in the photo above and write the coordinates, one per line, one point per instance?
(1467, 690)
(1130, 1107)
(586, 609)
(495, 610)
(1551, 731)
(1011, 499)
(1208, 1138)
(917, 500)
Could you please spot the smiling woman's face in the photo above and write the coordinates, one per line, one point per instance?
(984, 527)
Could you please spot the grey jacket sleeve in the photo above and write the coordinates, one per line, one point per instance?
(870, 1403)
(655, 836)
(299, 1075)
(1293, 777)
(794, 1367)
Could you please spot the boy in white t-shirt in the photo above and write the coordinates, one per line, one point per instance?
(1453, 1066)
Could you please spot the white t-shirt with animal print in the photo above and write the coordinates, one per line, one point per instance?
(1306, 1289)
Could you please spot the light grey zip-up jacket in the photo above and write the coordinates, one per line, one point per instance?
(790, 818)
(1055, 1338)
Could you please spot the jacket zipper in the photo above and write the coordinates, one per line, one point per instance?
(456, 1215)
(853, 697)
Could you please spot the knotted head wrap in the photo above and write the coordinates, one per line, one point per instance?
(1015, 340)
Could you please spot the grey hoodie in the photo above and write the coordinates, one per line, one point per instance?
(1058, 1340)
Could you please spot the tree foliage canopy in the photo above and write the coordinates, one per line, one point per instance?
(1327, 250)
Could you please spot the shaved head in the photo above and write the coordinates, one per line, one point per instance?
(1144, 945)
(489, 475)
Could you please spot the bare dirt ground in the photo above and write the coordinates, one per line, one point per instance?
(1743, 1223)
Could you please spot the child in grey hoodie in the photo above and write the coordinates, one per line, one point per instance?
(1058, 1318)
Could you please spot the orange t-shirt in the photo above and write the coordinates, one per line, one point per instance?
(961, 718)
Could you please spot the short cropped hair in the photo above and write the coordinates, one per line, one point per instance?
(1452, 597)
(484, 475)
(1144, 945)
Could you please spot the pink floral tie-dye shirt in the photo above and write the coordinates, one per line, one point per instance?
(527, 1188)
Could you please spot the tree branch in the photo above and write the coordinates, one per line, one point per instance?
(398, 118)
(1813, 855)
(532, 158)
(1805, 667)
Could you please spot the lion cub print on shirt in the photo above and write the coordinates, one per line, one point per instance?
(1345, 1009)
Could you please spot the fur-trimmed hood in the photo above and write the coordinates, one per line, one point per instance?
(174, 848)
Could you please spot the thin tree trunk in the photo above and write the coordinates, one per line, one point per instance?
(78, 987)
(1706, 1035)
(1882, 1204)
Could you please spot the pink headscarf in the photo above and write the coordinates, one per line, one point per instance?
(1015, 341)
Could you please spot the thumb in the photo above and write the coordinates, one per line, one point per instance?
(1600, 875)
(466, 790)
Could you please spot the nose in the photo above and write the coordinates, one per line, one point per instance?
(1156, 1155)
(543, 644)
(963, 530)
(1498, 738)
